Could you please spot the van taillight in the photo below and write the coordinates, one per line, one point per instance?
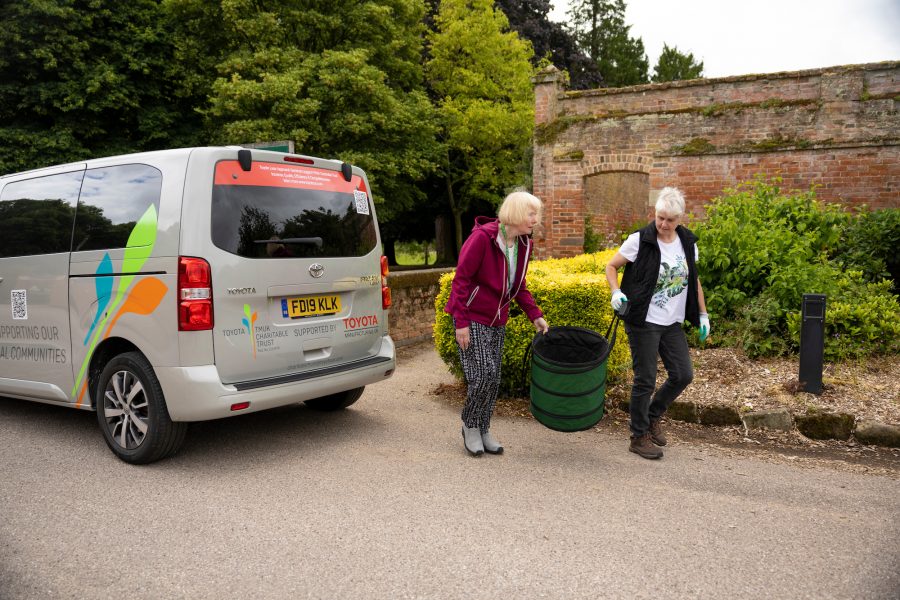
(195, 302)
(385, 290)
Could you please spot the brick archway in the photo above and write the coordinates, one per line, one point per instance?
(616, 162)
(616, 193)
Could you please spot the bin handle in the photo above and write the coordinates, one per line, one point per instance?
(523, 386)
(612, 329)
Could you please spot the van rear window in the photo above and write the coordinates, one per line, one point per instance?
(290, 211)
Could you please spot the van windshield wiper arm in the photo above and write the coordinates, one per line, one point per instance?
(312, 241)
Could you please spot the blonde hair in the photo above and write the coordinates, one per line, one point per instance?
(670, 201)
(514, 210)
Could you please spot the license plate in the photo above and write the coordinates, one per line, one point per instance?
(310, 306)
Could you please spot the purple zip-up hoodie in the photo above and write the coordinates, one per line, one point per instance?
(480, 290)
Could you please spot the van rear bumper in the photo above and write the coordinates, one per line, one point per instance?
(197, 393)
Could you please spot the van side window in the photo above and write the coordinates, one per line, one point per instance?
(36, 214)
(111, 202)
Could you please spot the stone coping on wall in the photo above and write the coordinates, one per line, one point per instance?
(416, 277)
(889, 64)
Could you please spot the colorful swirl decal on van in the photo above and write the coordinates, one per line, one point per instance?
(142, 299)
(103, 287)
(249, 321)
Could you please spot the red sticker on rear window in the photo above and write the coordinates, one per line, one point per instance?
(229, 172)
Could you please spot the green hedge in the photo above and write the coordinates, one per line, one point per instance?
(570, 291)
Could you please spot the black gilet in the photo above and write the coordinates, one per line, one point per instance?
(639, 279)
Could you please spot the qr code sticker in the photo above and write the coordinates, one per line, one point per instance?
(362, 202)
(19, 304)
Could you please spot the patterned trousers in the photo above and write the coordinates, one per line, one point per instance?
(481, 365)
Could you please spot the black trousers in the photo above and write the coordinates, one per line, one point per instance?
(670, 344)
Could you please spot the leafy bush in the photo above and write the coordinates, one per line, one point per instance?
(753, 233)
(592, 241)
(570, 291)
(860, 319)
(869, 243)
(758, 329)
(761, 250)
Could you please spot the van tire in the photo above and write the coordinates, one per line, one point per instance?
(337, 401)
(157, 436)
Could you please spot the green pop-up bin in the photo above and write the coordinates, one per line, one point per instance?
(568, 376)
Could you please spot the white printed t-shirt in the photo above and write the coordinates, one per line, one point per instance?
(669, 299)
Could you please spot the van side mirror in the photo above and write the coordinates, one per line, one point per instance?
(346, 171)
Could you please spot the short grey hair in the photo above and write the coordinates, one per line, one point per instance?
(670, 201)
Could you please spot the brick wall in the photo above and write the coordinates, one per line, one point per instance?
(837, 128)
(411, 318)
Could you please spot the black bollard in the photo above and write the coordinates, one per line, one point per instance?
(812, 342)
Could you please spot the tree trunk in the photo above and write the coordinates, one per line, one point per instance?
(457, 216)
(457, 226)
(443, 241)
(389, 251)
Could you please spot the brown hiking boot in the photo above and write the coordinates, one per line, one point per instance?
(656, 434)
(642, 446)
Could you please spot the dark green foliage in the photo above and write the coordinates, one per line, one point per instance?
(85, 78)
(762, 249)
(674, 66)
(551, 40)
(871, 244)
(599, 26)
(623, 230)
(592, 240)
(342, 79)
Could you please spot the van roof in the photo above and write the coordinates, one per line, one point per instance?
(156, 153)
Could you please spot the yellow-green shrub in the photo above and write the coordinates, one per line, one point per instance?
(570, 291)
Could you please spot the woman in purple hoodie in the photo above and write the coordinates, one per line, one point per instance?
(489, 276)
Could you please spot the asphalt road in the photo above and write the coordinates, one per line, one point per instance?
(381, 501)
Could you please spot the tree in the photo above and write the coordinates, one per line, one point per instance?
(551, 41)
(674, 66)
(480, 76)
(80, 79)
(342, 79)
(599, 26)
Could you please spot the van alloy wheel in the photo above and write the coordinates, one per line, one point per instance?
(132, 413)
(126, 409)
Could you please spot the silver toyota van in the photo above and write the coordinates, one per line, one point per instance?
(185, 285)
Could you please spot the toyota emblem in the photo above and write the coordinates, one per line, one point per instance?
(316, 270)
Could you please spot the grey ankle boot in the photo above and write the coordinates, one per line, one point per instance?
(491, 445)
(472, 440)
